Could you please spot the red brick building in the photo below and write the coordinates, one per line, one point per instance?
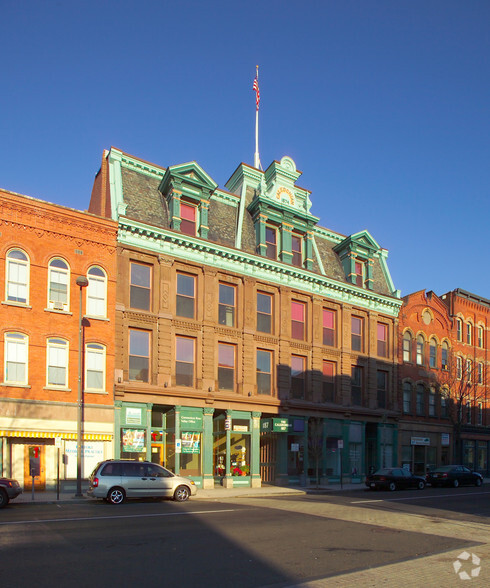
(43, 249)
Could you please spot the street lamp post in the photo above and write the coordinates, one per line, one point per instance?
(82, 282)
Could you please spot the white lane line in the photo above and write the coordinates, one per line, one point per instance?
(425, 497)
(136, 516)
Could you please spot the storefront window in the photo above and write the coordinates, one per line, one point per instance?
(296, 451)
(190, 459)
(333, 457)
(469, 454)
(482, 457)
(240, 454)
(133, 444)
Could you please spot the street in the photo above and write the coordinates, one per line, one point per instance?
(245, 542)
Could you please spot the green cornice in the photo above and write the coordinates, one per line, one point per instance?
(142, 167)
(170, 243)
(226, 198)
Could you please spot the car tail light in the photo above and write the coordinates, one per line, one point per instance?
(444, 475)
(95, 482)
(382, 479)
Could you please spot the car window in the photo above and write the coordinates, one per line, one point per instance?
(466, 470)
(111, 469)
(398, 472)
(133, 470)
(157, 471)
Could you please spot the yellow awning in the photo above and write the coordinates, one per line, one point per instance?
(53, 435)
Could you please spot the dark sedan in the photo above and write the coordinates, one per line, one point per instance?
(9, 489)
(393, 479)
(454, 475)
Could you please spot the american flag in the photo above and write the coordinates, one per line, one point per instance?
(257, 92)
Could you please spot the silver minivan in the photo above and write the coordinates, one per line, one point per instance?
(115, 480)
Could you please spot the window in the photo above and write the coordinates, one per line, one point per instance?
(329, 327)
(459, 368)
(433, 353)
(59, 279)
(140, 286)
(480, 373)
(57, 357)
(420, 350)
(359, 267)
(96, 292)
(480, 337)
(328, 381)
(356, 385)
(186, 301)
(297, 250)
(469, 370)
(407, 346)
(420, 406)
(444, 356)
(95, 361)
(432, 401)
(16, 351)
(264, 371)
(184, 361)
(226, 366)
(264, 312)
(356, 333)
(271, 242)
(139, 355)
(459, 329)
(17, 278)
(444, 404)
(227, 304)
(382, 334)
(468, 413)
(188, 216)
(469, 333)
(407, 397)
(298, 314)
(382, 388)
(479, 414)
(298, 364)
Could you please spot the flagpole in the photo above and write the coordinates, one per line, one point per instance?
(257, 164)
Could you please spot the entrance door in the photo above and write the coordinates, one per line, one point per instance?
(34, 463)
(157, 455)
(268, 458)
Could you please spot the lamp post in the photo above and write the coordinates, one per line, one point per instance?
(82, 282)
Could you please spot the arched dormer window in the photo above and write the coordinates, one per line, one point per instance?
(58, 285)
(17, 277)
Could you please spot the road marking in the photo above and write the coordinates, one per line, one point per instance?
(136, 516)
(426, 497)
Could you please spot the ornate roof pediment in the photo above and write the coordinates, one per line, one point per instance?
(189, 179)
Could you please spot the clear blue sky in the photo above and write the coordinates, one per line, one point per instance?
(383, 104)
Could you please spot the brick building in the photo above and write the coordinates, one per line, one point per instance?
(44, 248)
(252, 345)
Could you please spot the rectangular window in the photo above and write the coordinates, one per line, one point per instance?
(407, 398)
(459, 368)
(186, 301)
(226, 366)
(328, 392)
(480, 337)
(359, 269)
(95, 367)
(188, 215)
(140, 286)
(432, 353)
(382, 389)
(356, 333)
(444, 356)
(468, 413)
(469, 370)
(57, 373)
(432, 402)
(420, 405)
(480, 414)
(459, 329)
(382, 333)
(356, 385)
(271, 242)
(298, 376)
(184, 361)
(329, 326)
(139, 355)
(264, 312)
(227, 305)
(420, 350)
(264, 371)
(298, 318)
(297, 250)
(16, 346)
(480, 373)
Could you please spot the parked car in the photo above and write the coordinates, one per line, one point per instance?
(394, 479)
(115, 480)
(454, 475)
(9, 489)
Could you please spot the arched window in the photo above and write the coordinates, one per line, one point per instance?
(420, 350)
(57, 363)
(97, 292)
(469, 333)
(433, 353)
(17, 277)
(444, 356)
(58, 285)
(407, 397)
(420, 406)
(16, 356)
(95, 367)
(459, 329)
(407, 346)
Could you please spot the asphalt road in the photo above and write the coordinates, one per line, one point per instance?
(242, 543)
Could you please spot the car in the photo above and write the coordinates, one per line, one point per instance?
(454, 475)
(9, 489)
(115, 480)
(394, 479)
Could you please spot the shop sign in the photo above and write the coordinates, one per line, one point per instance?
(178, 446)
(191, 442)
(419, 441)
(240, 428)
(295, 447)
(227, 424)
(133, 416)
(191, 421)
(274, 425)
(133, 440)
(444, 438)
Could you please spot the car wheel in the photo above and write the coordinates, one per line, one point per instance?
(181, 493)
(392, 486)
(421, 485)
(116, 496)
(478, 482)
(4, 499)
(455, 483)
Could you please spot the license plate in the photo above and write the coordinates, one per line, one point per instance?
(373, 485)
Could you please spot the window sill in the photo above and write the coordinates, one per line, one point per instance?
(96, 318)
(18, 304)
(57, 388)
(101, 392)
(58, 311)
(13, 385)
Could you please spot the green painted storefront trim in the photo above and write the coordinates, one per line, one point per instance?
(163, 241)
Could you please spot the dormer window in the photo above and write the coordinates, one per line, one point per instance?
(359, 269)
(188, 215)
(271, 242)
(297, 250)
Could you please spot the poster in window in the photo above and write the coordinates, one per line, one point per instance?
(133, 440)
(191, 442)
